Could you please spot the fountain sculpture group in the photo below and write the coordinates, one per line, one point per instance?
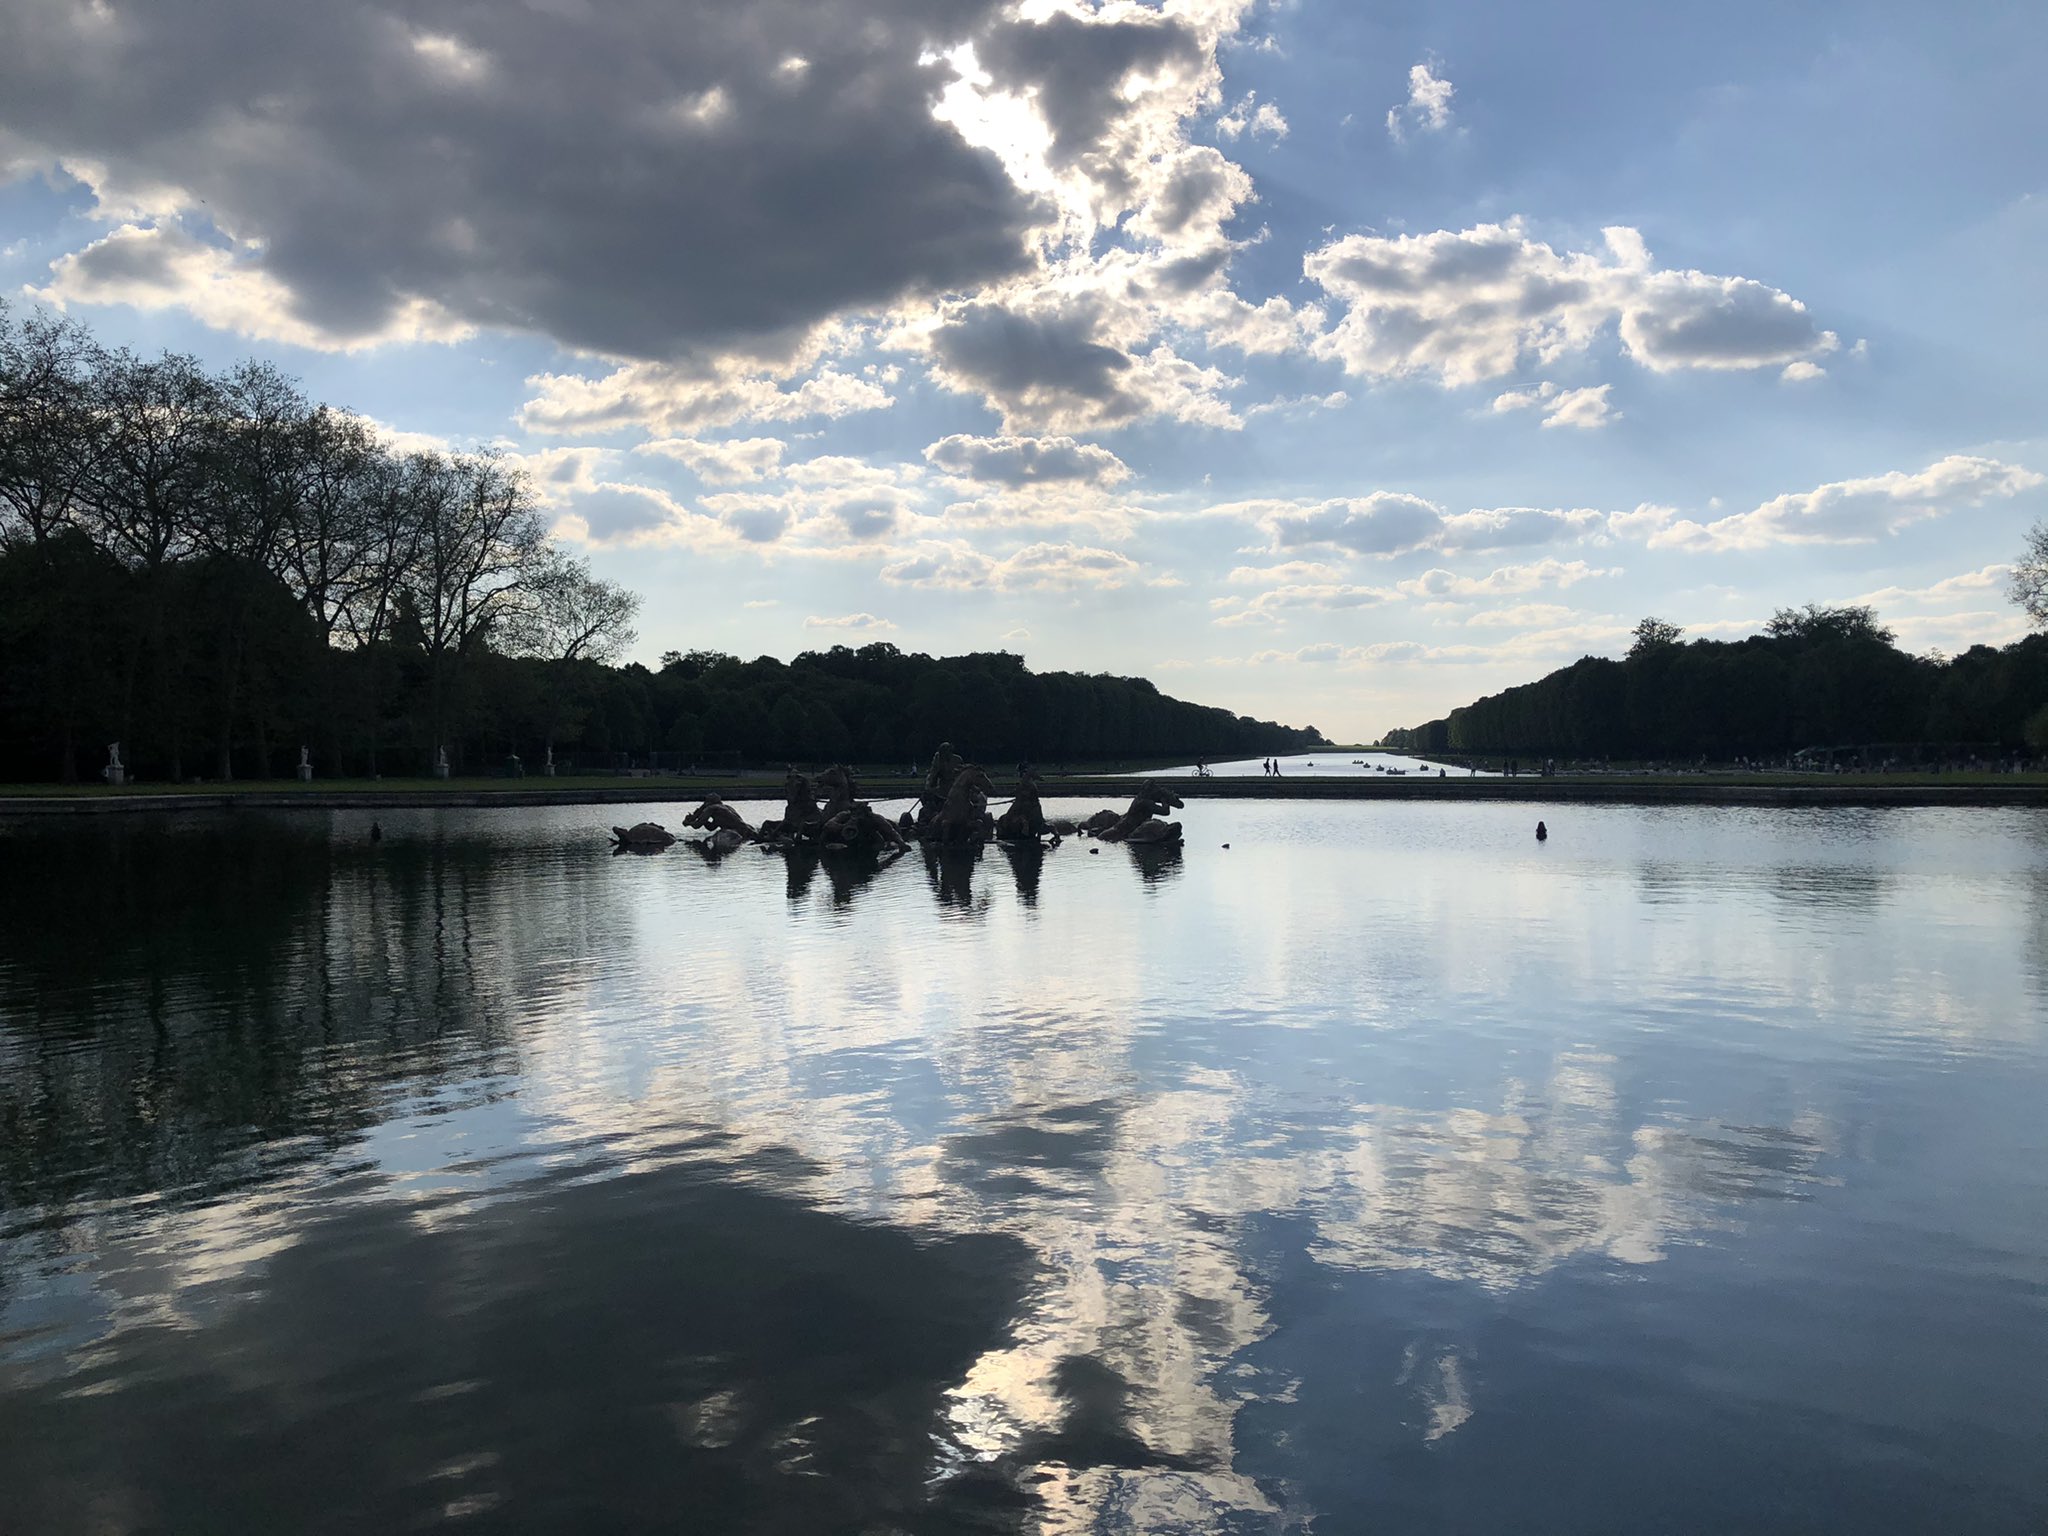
(952, 811)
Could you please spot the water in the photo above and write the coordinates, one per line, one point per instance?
(1337, 763)
(1386, 1171)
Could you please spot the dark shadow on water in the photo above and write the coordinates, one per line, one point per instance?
(662, 1351)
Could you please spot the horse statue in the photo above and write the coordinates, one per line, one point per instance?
(716, 816)
(1138, 824)
(1024, 821)
(964, 818)
(800, 812)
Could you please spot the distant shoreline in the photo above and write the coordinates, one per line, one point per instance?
(1636, 789)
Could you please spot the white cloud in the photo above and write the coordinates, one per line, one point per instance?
(865, 623)
(1035, 567)
(1969, 584)
(1505, 581)
(1261, 119)
(1520, 616)
(560, 475)
(1428, 107)
(1467, 306)
(1288, 571)
(1388, 523)
(730, 461)
(1584, 409)
(1485, 529)
(1852, 511)
(1383, 523)
(1271, 607)
(655, 397)
(1019, 461)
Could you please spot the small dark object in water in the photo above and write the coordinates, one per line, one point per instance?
(1095, 850)
(1226, 845)
(376, 833)
(1542, 832)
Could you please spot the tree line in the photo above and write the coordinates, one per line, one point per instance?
(1815, 678)
(213, 570)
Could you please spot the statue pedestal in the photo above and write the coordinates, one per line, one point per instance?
(548, 769)
(115, 776)
(440, 770)
(305, 773)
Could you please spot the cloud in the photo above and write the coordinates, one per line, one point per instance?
(1505, 581)
(1540, 645)
(1428, 107)
(378, 166)
(1383, 523)
(1849, 511)
(865, 623)
(223, 286)
(1581, 408)
(1046, 367)
(1520, 616)
(1388, 523)
(561, 475)
(657, 398)
(625, 514)
(1272, 607)
(1035, 567)
(1261, 119)
(1969, 584)
(731, 461)
(1483, 530)
(1021, 461)
(1288, 571)
(1470, 305)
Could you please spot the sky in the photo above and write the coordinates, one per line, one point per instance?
(1333, 362)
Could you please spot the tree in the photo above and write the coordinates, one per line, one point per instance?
(479, 545)
(47, 433)
(2030, 576)
(1814, 623)
(567, 614)
(1654, 634)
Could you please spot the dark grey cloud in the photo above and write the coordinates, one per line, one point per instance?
(1014, 355)
(1050, 368)
(648, 178)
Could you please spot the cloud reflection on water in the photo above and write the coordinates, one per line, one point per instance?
(1122, 1080)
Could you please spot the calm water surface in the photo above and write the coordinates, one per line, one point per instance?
(1384, 1171)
